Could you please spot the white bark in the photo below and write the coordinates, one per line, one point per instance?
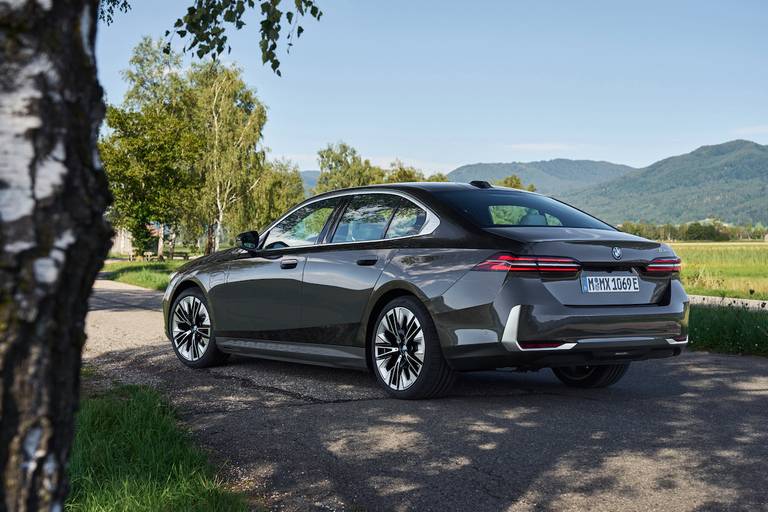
(53, 237)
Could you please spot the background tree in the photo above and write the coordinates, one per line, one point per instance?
(279, 188)
(514, 181)
(53, 232)
(151, 151)
(342, 167)
(398, 172)
(438, 176)
(230, 120)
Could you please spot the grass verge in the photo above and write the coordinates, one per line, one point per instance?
(729, 330)
(130, 455)
(153, 274)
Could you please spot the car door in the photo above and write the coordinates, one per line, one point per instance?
(262, 297)
(339, 276)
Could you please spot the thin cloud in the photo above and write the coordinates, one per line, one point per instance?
(759, 129)
(543, 146)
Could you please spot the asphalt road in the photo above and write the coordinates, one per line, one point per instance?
(689, 433)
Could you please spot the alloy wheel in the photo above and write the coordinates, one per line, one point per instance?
(399, 348)
(191, 328)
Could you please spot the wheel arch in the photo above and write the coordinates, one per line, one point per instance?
(181, 287)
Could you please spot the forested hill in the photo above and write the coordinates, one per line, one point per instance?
(728, 181)
(553, 177)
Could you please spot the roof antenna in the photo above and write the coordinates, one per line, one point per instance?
(480, 184)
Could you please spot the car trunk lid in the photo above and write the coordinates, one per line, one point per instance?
(613, 264)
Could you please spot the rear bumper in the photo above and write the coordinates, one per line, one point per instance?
(551, 334)
(492, 355)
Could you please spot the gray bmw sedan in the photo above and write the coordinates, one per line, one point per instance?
(418, 281)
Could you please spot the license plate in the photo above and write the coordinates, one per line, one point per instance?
(610, 284)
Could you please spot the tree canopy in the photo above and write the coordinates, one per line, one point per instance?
(341, 166)
(514, 181)
(204, 25)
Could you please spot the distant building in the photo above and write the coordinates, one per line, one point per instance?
(122, 242)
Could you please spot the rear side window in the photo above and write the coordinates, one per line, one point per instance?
(408, 220)
(500, 208)
(365, 218)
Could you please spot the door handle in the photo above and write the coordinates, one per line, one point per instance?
(289, 263)
(367, 262)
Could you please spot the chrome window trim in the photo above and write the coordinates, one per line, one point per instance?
(430, 224)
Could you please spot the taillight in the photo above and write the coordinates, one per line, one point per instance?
(503, 262)
(664, 265)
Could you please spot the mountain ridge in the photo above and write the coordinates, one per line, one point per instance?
(727, 181)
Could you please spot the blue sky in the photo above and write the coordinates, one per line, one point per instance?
(443, 83)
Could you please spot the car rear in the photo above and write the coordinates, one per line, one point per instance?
(571, 292)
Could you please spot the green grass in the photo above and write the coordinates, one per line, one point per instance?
(130, 455)
(726, 269)
(729, 330)
(148, 274)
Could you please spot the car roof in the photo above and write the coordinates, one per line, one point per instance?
(426, 186)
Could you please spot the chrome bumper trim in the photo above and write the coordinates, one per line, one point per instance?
(509, 337)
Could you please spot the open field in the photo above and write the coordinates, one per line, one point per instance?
(728, 269)
(129, 454)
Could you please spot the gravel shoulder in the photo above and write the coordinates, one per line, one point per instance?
(680, 434)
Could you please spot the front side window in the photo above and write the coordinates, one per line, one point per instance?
(302, 227)
(365, 218)
(408, 220)
(501, 208)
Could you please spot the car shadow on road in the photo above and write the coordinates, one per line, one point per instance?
(680, 434)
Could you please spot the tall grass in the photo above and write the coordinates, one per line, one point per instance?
(729, 330)
(153, 275)
(726, 269)
(130, 455)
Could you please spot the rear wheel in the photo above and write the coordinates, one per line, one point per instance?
(405, 352)
(591, 376)
(191, 331)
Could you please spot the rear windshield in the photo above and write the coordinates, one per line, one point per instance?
(500, 208)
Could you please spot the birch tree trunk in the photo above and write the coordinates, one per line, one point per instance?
(53, 235)
(160, 241)
(219, 230)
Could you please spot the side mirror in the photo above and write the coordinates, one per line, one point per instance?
(248, 240)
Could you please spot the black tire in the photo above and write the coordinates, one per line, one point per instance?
(210, 355)
(435, 377)
(591, 376)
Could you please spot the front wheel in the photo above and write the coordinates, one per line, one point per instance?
(591, 376)
(191, 331)
(405, 352)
